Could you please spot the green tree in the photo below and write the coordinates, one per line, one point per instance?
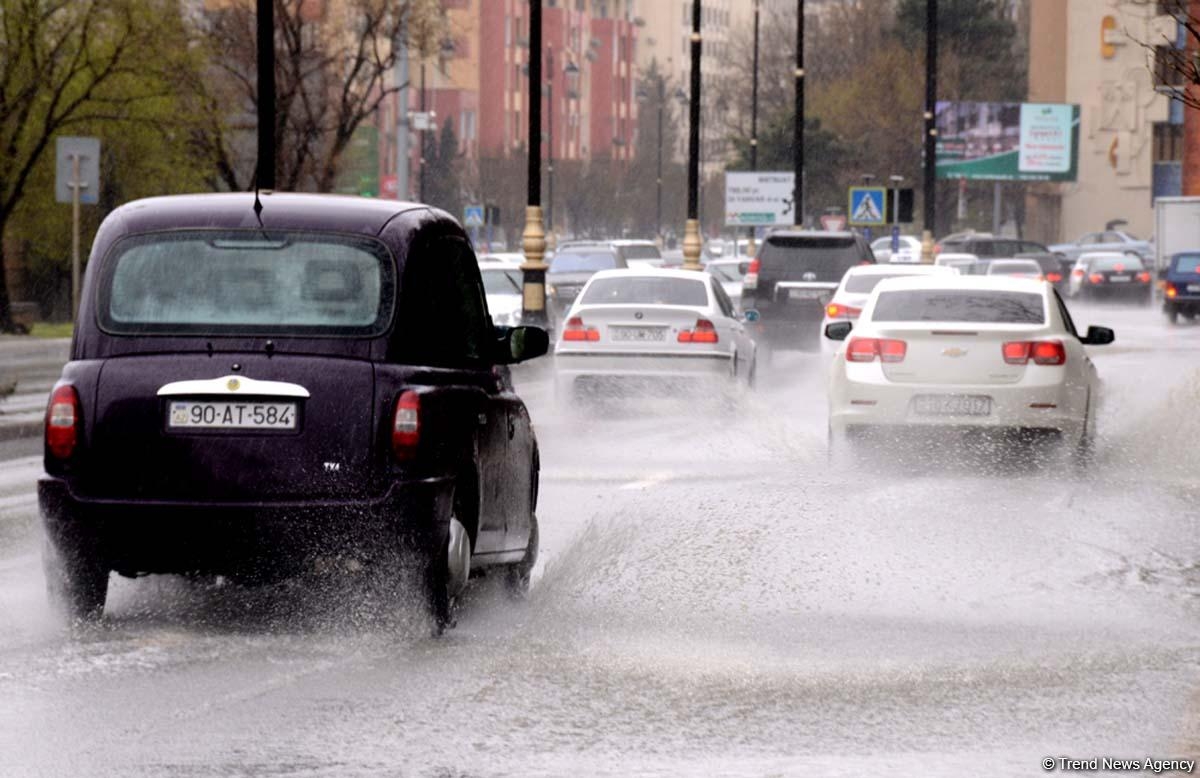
(102, 66)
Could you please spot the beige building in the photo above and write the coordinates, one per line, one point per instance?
(1094, 53)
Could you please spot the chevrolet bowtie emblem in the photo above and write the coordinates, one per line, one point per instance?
(954, 352)
(233, 384)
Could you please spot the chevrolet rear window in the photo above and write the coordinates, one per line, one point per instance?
(247, 282)
(960, 305)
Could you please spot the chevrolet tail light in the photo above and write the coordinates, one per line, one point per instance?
(867, 349)
(62, 422)
(1042, 352)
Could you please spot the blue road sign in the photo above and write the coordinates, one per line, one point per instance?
(473, 215)
(868, 206)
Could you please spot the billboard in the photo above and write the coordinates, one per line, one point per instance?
(759, 199)
(1008, 141)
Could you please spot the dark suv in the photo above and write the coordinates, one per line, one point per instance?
(571, 267)
(793, 278)
(1181, 287)
(251, 392)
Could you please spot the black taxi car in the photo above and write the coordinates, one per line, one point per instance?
(255, 383)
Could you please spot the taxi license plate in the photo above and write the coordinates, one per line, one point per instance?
(203, 414)
(1120, 279)
(638, 334)
(952, 405)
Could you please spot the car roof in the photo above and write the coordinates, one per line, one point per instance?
(955, 256)
(740, 260)
(1102, 255)
(897, 269)
(955, 281)
(809, 234)
(649, 271)
(1022, 261)
(632, 242)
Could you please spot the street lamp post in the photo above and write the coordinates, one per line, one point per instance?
(930, 184)
(691, 231)
(751, 249)
(533, 239)
(798, 129)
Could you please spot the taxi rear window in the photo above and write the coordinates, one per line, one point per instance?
(250, 282)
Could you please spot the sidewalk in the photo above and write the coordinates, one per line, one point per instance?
(35, 364)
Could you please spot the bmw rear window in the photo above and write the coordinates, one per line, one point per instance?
(635, 290)
(247, 282)
(970, 306)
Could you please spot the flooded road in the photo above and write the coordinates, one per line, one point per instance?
(713, 597)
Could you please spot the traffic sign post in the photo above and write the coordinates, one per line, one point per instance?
(759, 199)
(895, 239)
(868, 206)
(473, 216)
(76, 181)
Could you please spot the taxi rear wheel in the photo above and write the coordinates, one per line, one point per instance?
(76, 582)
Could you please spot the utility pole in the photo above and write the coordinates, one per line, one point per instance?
(533, 240)
(931, 34)
(691, 230)
(751, 249)
(798, 130)
(264, 177)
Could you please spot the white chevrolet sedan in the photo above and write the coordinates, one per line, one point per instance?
(964, 352)
(652, 331)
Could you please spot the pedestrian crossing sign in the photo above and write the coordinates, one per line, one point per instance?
(868, 206)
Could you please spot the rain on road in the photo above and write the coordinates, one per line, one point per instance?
(713, 598)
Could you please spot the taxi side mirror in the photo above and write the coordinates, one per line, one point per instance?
(518, 344)
(838, 330)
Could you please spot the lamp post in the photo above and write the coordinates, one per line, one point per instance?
(798, 129)
(751, 249)
(533, 239)
(930, 129)
(691, 230)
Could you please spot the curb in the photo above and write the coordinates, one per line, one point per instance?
(23, 429)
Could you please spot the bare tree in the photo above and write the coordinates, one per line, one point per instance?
(65, 63)
(1174, 65)
(332, 68)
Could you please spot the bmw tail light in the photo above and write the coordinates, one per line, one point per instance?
(62, 422)
(1042, 352)
(866, 349)
(751, 279)
(575, 330)
(703, 332)
(406, 426)
(841, 311)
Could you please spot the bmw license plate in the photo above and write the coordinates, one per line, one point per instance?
(1120, 279)
(952, 405)
(638, 334)
(203, 414)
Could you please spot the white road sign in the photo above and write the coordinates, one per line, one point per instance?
(88, 152)
(759, 199)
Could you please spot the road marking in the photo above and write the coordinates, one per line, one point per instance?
(20, 473)
(646, 483)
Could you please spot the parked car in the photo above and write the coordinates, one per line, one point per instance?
(1181, 291)
(1111, 276)
(910, 249)
(642, 329)
(250, 392)
(986, 246)
(503, 286)
(573, 264)
(1106, 241)
(793, 278)
(963, 352)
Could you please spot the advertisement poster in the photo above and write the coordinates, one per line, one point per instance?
(1008, 141)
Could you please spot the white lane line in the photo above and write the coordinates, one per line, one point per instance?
(646, 483)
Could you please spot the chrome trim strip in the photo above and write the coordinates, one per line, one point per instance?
(235, 385)
(647, 354)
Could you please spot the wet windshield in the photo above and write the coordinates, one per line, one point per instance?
(960, 305)
(501, 281)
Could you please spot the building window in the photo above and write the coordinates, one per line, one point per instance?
(1168, 142)
(1169, 65)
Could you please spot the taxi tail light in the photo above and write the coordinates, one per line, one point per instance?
(840, 311)
(703, 332)
(1042, 352)
(62, 422)
(575, 330)
(751, 279)
(866, 349)
(1143, 277)
(1054, 278)
(406, 426)
(1096, 278)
